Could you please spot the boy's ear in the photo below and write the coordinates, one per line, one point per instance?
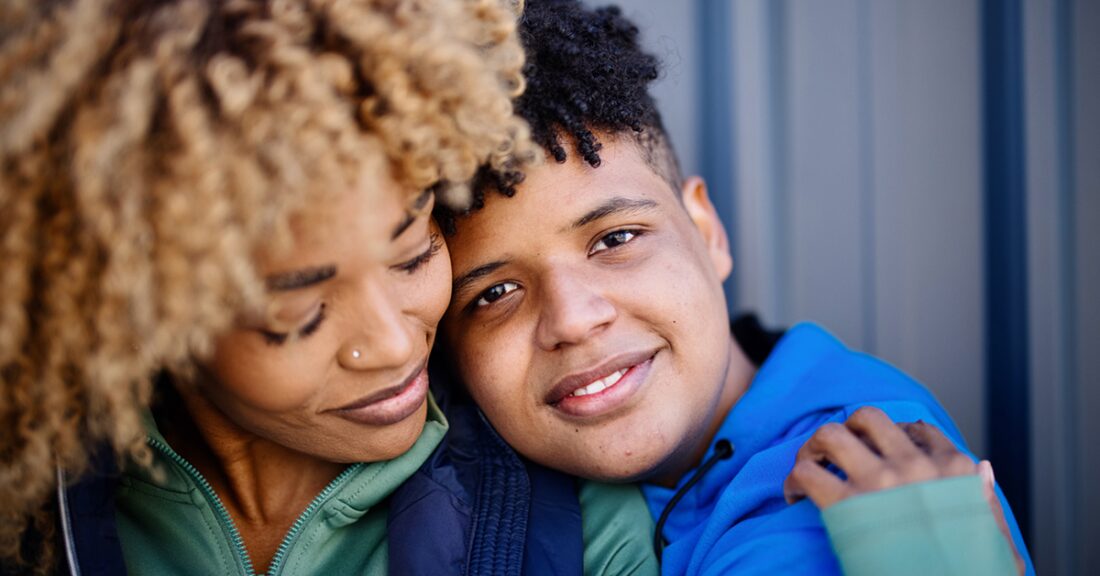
(693, 193)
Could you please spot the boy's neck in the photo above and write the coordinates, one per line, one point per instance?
(739, 375)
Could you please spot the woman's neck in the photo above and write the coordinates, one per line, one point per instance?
(263, 485)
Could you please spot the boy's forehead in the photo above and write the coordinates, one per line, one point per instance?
(562, 188)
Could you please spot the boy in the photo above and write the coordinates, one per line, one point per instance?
(589, 323)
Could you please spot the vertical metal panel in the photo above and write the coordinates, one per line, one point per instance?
(867, 192)
(924, 119)
(1053, 484)
(716, 106)
(1006, 256)
(1083, 26)
(824, 161)
(782, 237)
(759, 227)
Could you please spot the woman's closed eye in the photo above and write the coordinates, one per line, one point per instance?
(494, 293)
(277, 338)
(613, 240)
(435, 243)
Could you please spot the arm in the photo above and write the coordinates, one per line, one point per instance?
(911, 501)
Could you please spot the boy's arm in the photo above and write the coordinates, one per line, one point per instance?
(911, 501)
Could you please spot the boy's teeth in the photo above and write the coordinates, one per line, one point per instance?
(600, 385)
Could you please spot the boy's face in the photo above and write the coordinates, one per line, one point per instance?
(588, 318)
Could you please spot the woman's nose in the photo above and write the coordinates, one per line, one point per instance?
(382, 339)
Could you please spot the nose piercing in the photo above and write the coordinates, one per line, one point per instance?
(356, 354)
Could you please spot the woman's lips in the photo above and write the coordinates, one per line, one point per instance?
(603, 395)
(388, 406)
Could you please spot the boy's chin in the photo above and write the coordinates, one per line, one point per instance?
(628, 471)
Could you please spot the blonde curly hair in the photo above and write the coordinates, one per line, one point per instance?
(148, 149)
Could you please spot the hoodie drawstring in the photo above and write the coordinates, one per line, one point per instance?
(722, 450)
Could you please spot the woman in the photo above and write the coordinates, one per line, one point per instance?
(220, 205)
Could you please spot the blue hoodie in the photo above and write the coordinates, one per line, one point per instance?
(735, 520)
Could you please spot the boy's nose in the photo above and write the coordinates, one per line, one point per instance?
(382, 339)
(572, 311)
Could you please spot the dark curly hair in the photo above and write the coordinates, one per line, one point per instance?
(587, 77)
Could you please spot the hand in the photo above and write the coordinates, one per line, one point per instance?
(875, 454)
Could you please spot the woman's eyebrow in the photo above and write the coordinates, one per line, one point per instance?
(412, 214)
(297, 279)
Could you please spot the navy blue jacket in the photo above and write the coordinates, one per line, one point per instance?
(475, 507)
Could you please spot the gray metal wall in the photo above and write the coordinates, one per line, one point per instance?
(1062, 68)
(855, 199)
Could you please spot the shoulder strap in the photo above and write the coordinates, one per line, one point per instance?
(90, 507)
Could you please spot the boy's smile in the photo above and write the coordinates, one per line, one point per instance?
(588, 318)
(595, 392)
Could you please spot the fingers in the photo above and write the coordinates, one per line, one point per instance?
(810, 479)
(948, 459)
(985, 470)
(989, 490)
(888, 438)
(837, 444)
(928, 437)
(875, 454)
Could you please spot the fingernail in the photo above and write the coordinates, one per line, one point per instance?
(985, 470)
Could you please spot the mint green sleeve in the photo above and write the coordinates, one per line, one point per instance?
(935, 527)
(618, 530)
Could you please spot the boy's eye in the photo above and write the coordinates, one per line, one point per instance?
(495, 293)
(613, 240)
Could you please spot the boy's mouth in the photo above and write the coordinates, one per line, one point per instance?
(602, 388)
(601, 384)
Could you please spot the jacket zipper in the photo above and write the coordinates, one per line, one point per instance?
(299, 524)
(227, 520)
(219, 508)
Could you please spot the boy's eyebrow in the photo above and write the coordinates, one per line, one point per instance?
(412, 214)
(616, 205)
(299, 278)
(474, 275)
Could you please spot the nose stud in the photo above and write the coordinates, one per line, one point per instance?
(356, 354)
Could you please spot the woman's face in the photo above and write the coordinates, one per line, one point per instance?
(336, 367)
